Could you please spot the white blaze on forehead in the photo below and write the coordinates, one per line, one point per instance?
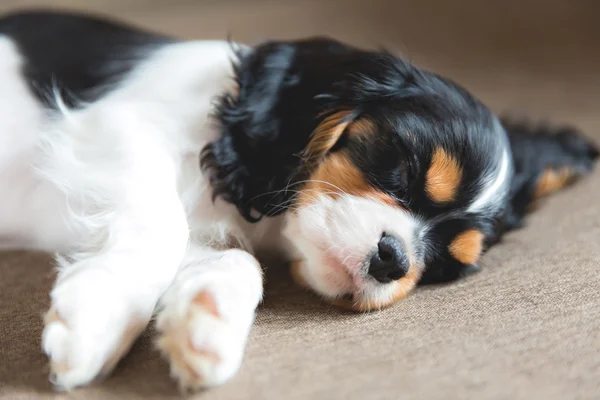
(495, 184)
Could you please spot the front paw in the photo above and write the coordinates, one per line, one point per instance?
(85, 334)
(203, 347)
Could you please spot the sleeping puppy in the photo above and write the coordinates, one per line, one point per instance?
(156, 169)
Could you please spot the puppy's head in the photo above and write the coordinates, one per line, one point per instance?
(388, 175)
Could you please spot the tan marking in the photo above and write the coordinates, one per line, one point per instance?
(331, 129)
(175, 343)
(443, 177)
(362, 127)
(553, 180)
(171, 346)
(326, 135)
(402, 288)
(207, 301)
(336, 176)
(467, 246)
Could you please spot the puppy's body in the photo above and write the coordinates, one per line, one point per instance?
(102, 166)
(368, 173)
(143, 93)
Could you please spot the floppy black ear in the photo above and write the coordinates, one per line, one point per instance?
(249, 163)
(545, 160)
(266, 126)
(285, 91)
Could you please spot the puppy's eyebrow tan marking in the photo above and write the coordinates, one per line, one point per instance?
(330, 130)
(362, 127)
(467, 246)
(326, 135)
(443, 177)
(336, 176)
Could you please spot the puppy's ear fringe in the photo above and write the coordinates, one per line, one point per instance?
(236, 174)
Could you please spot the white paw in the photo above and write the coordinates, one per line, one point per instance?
(204, 347)
(86, 335)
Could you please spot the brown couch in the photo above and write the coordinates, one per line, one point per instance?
(526, 327)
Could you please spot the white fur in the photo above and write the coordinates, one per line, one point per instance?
(209, 342)
(24, 218)
(347, 230)
(495, 182)
(495, 186)
(115, 189)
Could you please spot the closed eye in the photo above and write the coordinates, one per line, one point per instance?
(394, 172)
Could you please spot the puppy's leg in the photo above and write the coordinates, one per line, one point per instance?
(206, 315)
(132, 238)
(545, 160)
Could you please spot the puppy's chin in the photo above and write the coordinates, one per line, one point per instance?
(361, 295)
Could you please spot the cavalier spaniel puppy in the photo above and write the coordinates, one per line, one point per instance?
(156, 169)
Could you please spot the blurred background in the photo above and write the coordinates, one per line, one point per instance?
(525, 328)
(523, 55)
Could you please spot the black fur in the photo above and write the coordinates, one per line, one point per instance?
(534, 150)
(287, 88)
(80, 56)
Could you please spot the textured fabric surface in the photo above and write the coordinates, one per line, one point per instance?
(526, 327)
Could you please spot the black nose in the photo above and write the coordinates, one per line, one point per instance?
(390, 262)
